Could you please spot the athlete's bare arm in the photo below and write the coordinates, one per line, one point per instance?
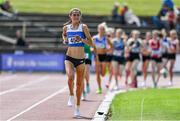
(64, 35)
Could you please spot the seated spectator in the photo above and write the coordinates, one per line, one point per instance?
(117, 13)
(167, 17)
(20, 40)
(172, 19)
(7, 8)
(168, 3)
(130, 17)
(160, 20)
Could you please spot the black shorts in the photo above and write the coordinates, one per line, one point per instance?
(157, 60)
(144, 58)
(172, 56)
(133, 56)
(88, 61)
(165, 56)
(102, 57)
(109, 57)
(74, 61)
(120, 60)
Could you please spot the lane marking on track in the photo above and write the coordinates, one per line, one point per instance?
(9, 77)
(38, 103)
(24, 85)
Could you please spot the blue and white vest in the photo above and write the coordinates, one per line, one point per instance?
(118, 47)
(100, 43)
(71, 33)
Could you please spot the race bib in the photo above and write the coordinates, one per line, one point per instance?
(156, 53)
(72, 40)
(118, 53)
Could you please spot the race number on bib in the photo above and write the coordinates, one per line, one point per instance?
(117, 53)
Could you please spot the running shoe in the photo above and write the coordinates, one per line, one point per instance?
(164, 72)
(170, 83)
(155, 84)
(77, 112)
(87, 88)
(99, 91)
(70, 101)
(83, 97)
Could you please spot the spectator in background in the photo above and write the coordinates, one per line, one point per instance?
(168, 3)
(167, 16)
(7, 8)
(130, 17)
(172, 19)
(117, 13)
(20, 40)
(160, 20)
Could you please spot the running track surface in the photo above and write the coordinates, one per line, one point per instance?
(43, 96)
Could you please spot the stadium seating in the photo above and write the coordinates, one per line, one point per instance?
(45, 30)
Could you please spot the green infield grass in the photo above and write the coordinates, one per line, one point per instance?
(150, 104)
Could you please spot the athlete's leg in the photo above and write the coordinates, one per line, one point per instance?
(87, 77)
(127, 68)
(98, 74)
(144, 69)
(172, 62)
(153, 64)
(103, 68)
(80, 71)
(159, 67)
(134, 72)
(70, 73)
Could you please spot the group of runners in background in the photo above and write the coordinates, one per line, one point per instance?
(117, 53)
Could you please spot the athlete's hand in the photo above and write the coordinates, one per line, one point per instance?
(78, 38)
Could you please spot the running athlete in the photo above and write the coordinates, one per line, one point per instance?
(75, 34)
(165, 45)
(118, 56)
(173, 49)
(101, 41)
(156, 56)
(146, 57)
(88, 57)
(134, 47)
(109, 56)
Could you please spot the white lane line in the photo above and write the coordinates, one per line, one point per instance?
(24, 85)
(38, 103)
(9, 77)
(142, 107)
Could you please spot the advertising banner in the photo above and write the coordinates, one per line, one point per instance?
(32, 62)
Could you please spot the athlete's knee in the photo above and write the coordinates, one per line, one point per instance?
(103, 74)
(70, 77)
(79, 84)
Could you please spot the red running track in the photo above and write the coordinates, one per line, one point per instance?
(43, 96)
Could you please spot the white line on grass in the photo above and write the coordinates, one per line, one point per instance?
(142, 106)
(38, 103)
(24, 85)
